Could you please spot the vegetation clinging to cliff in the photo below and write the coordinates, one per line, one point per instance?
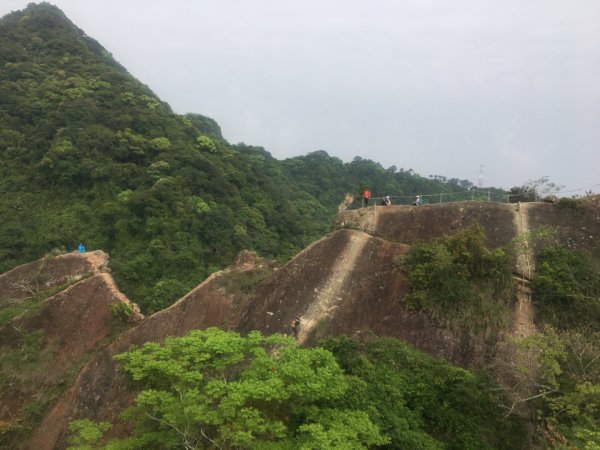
(566, 288)
(459, 281)
(421, 402)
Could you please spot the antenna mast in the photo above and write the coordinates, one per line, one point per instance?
(480, 179)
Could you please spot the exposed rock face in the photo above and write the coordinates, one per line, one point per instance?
(66, 315)
(99, 390)
(22, 281)
(349, 282)
(576, 227)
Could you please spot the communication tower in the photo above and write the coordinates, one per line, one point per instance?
(480, 179)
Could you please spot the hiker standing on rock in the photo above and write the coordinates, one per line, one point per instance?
(366, 196)
(295, 326)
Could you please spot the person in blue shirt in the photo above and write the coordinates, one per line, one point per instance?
(80, 248)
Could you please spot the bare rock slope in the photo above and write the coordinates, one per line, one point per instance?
(349, 282)
(56, 313)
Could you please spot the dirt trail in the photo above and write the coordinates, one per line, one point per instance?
(524, 314)
(523, 322)
(524, 256)
(328, 297)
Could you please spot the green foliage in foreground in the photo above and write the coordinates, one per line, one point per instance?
(216, 389)
(86, 433)
(567, 288)
(459, 281)
(557, 375)
(421, 402)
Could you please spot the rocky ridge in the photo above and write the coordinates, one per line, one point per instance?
(348, 282)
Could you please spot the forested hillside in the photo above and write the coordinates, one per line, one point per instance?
(89, 154)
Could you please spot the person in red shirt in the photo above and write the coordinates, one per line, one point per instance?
(366, 196)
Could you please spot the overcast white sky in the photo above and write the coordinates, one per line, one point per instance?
(438, 86)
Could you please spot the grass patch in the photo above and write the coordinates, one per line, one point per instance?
(26, 308)
(26, 356)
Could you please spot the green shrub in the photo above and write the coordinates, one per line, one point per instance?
(566, 288)
(162, 293)
(122, 311)
(459, 281)
(86, 434)
(572, 203)
(421, 402)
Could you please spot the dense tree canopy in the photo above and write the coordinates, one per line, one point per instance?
(213, 389)
(89, 154)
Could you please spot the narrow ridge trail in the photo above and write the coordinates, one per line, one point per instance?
(524, 314)
(329, 296)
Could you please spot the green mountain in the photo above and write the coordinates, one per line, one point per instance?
(89, 154)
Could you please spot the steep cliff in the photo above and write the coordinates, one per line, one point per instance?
(55, 314)
(349, 282)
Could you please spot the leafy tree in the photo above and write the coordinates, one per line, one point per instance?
(557, 375)
(215, 389)
(206, 144)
